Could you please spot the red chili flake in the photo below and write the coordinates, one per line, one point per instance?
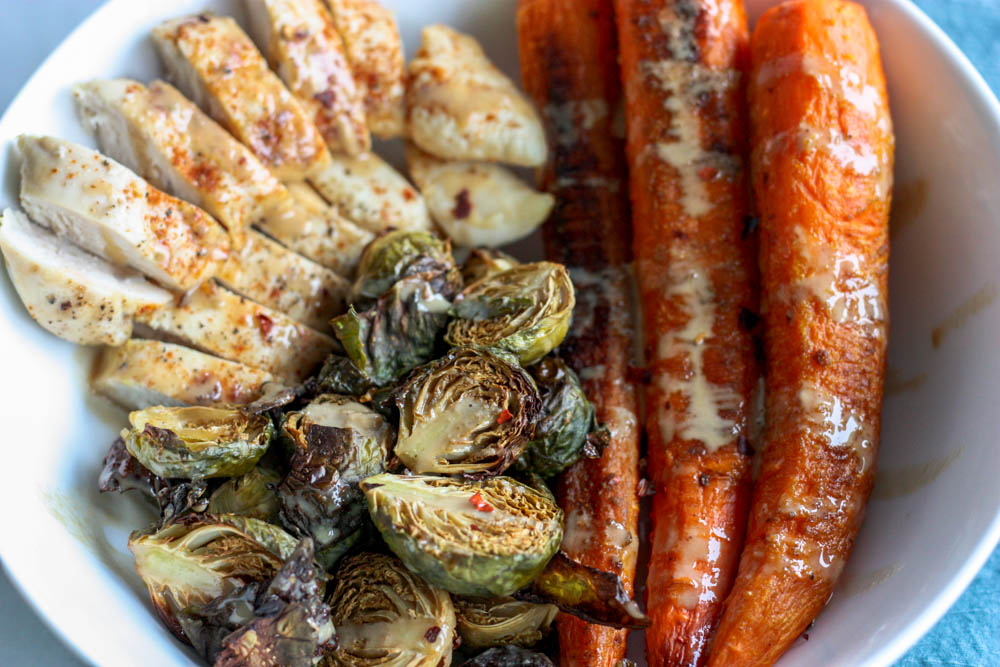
(463, 207)
(432, 633)
(505, 416)
(265, 324)
(479, 503)
(327, 98)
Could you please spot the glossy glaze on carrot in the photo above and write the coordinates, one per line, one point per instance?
(568, 61)
(821, 168)
(683, 63)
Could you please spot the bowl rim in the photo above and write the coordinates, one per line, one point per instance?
(981, 98)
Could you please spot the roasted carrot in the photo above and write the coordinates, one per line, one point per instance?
(569, 67)
(821, 171)
(683, 63)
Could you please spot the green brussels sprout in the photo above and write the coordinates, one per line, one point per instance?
(123, 472)
(387, 616)
(336, 442)
(483, 262)
(339, 375)
(481, 539)
(394, 256)
(525, 310)
(273, 538)
(470, 412)
(509, 656)
(197, 442)
(194, 559)
(567, 418)
(586, 592)
(249, 495)
(484, 623)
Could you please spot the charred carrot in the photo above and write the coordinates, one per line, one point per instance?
(569, 67)
(683, 62)
(821, 170)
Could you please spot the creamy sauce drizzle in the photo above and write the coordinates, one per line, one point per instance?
(571, 118)
(828, 417)
(845, 82)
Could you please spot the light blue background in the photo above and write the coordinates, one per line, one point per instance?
(968, 635)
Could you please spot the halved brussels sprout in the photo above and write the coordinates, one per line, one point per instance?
(470, 412)
(566, 419)
(292, 638)
(484, 623)
(394, 256)
(482, 539)
(385, 615)
(483, 262)
(525, 310)
(336, 442)
(249, 495)
(509, 656)
(273, 538)
(197, 442)
(194, 559)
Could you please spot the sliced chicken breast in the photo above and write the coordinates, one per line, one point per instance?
(375, 51)
(216, 64)
(369, 191)
(71, 293)
(461, 107)
(217, 321)
(274, 276)
(478, 203)
(303, 47)
(143, 373)
(105, 208)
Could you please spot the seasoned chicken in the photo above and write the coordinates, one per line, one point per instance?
(274, 276)
(367, 190)
(304, 48)
(143, 373)
(173, 143)
(71, 293)
(460, 107)
(105, 208)
(212, 60)
(220, 322)
(478, 203)
(375, 52)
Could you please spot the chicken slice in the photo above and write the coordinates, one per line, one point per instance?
(220, 322)
(71, 293)
(478, 203)
(105, 208)
(304, 48)
(143, 373)
(367, 190)
(274, 276)
(461, 107)
(211, 59)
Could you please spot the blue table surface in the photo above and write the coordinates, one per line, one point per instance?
(969, 634)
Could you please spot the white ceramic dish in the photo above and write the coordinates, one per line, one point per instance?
(935, 516)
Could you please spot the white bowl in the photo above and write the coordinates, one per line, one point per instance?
(935, 516)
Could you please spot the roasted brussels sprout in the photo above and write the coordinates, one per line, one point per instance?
(483, 262)
(394, 256)
(273, 538)
(484, 623)
(197, 442)
(525, 310)
(509, 656)
(251, 495)
(387, 616)
(482, 539)
(470, 412)
(336, 442)
(193, 559)
(566, 420)
(591, 594)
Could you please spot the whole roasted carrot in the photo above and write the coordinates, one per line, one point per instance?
(822, 168)
(683, 63)
(569, 67)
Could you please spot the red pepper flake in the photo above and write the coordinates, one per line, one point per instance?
(479, 503)
(432, 634)
(265, 324)
(463, 207)
(505, 416)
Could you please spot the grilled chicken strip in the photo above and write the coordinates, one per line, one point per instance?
(304, 48)
(144, 373)
(167, 138)
(217, 65)
(71, 293)
(220, 322)
(375, 52)
(105, 208)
